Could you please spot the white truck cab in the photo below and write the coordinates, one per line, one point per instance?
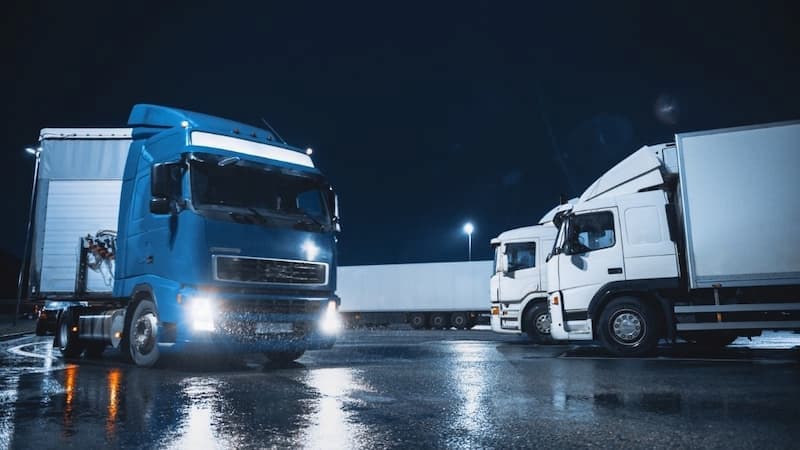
(519, 284)
(696, 239)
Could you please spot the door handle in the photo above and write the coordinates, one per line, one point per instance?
(147, 260)
(615, 270)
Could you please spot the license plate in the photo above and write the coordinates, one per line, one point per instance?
(274, 327)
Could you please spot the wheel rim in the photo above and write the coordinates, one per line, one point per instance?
(543, 323)
(438, 321)
(144, 334)
(459, 321)
(627, 327)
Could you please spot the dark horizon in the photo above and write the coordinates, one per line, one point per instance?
(422, 118)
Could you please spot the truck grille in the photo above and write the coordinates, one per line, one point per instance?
(257, 270)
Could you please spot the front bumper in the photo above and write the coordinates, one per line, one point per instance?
(507, 318)
(251, 323)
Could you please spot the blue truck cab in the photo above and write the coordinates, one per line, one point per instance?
(225, 238)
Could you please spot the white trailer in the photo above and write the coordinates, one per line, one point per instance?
(426, 295)
(699, 239)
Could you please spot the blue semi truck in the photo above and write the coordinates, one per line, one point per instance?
(181, 229)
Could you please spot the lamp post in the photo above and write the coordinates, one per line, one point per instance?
(468, 228)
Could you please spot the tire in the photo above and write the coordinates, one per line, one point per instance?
(710, 339)
(67, 340)
(417, 321)
(95, 349)
(536, 321)
(459, 320)
(285, 357)
(140, 339)
(438, 321)
(629, 327)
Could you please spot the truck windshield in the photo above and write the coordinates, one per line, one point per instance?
(259, 191)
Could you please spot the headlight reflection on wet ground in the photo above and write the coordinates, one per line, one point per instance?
(331, 423)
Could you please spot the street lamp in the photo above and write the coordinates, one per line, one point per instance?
(468, 228)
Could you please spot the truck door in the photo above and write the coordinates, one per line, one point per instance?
(522, 272)
(592, 256)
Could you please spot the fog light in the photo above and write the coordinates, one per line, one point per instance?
(331, 323)
(202, 314)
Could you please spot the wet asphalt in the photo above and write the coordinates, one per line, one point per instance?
(404, 388)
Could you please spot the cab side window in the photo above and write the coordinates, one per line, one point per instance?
(521, 255)
(592, 231)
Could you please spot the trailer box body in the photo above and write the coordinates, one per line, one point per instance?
(756, 242)
(452, 286)
(78, 193)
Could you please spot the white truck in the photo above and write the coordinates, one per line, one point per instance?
(518, 288)
(426, 295)
(698, 239)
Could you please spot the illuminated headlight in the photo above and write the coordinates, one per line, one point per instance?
(331, 323)
(202, 312)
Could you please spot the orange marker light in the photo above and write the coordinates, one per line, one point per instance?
(555, 300)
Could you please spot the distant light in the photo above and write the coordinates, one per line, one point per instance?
(185, 124)
(309, 151)
(468, 228)
(311, 250)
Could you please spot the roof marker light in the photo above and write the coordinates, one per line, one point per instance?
(185, 123)
(309, 151)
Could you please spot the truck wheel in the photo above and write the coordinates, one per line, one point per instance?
(140, 340)
(417, 321)
(284, 357)
(459, 320)
(628, 327)
(438, 321)
(68, 340)
(537, 323)
(710, 339)
(95, 349)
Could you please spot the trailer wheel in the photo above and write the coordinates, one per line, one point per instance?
(536, 321)
(285, 357)
(459, 320)
(95, 349)
(438, 321)
(417, 321)
(68, 341)
(140, 339)
(628, 327)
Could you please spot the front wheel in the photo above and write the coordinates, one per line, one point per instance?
(629, 327)
(141, 339)
(537, 323)
(285, 357)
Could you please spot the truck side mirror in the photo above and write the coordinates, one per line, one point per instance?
(337, 225)
(160, 175)
(160, 205)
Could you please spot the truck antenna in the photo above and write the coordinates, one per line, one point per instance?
(273, 130)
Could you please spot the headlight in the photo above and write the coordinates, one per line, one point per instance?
(331, 323)
(202, 311)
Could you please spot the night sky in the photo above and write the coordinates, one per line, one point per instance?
(423, 115)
